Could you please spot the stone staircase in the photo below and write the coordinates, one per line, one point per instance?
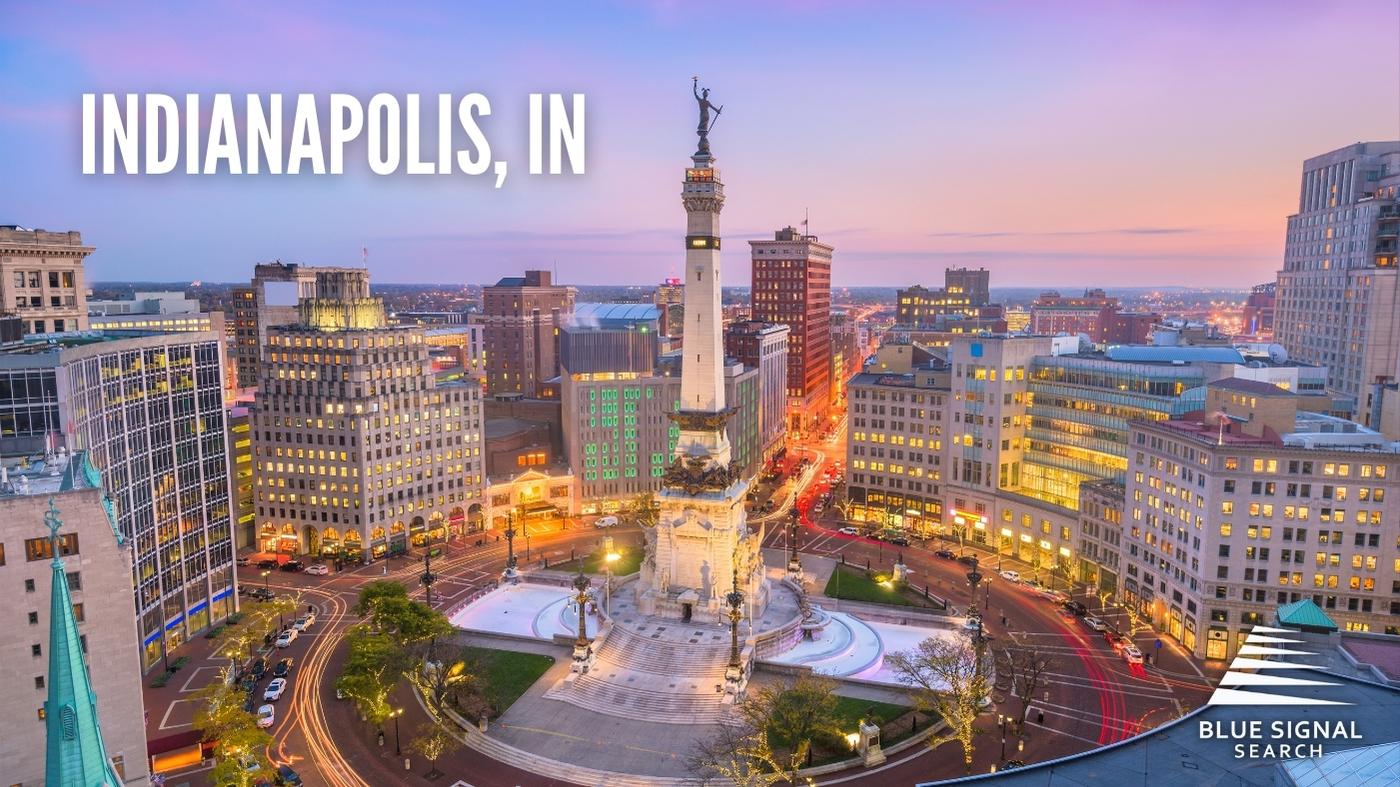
(653, 679)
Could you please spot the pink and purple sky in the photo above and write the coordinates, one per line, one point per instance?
(1058, 144)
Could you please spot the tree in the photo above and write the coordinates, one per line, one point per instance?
(373, 664)
(795, 715)
(946, 676)
(644, 510)
(375, 592)
(409, 622)
(1028, 670)
(240, 746)
(453, 679)
(432, 741)
(740, 754)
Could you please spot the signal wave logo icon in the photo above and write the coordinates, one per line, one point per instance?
(1264, 649)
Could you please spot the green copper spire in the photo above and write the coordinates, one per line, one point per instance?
(75, 756)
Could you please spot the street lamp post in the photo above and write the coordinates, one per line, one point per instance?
(510, 573)
(427, 578)
(794, 562)
(396, 713)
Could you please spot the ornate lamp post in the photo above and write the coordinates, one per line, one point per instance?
(427, 577)
(794, 562)
(734, 679)
(395, 714)
(511, 573)
(583, 646)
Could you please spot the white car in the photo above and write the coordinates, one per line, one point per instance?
(1011, 576)
(286, 638)
(605, 521)
(274, 690)
(310, 618)
(1132, 655)
(848, 531)
(318, 569)
(300, 624)
(266, 716)
(1095, 624)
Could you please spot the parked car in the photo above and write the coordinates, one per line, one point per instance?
(1094, 623)
(1132, 655)
(849, 531)
(1011, 576)
(605, 521)
(274, 690)
(1120, 643)
(318, 569)
(243, 560)
(970, 560)
(946, 554)
(292, 565)
(267, 563)
(259, 667)
(1076, 608)
(287, 776)
(286, 638)
(267, 715)
(899, 541)
(310, 616)
(283, 667)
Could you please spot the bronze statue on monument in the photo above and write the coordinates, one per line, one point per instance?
(702, 97)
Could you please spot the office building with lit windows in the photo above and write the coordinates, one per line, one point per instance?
(41, 278)
(1252, 503)
(358, 451)
(1337, 302)
(617, 394)
(791, 285)
(149, 412)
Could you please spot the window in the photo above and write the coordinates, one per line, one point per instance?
(42, 548)
(33, 618)
(39, 682)
(28, 586)
(35, 650)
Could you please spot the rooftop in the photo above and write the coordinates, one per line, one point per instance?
(22, 476)
(1243, 385)
(612, 315)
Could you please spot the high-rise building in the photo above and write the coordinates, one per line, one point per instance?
(1338, 297)
(149, 411)
(1053, 313)
(763, 346)
(357, 450)
(670, 299)
(91, 633)
(523, 316)
(792, 285)
(1252, 503)
(41, 278)
(271, 299)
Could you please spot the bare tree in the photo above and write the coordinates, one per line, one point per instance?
(433, 742)
(739, 754)
(946, 677)
(1028, 669)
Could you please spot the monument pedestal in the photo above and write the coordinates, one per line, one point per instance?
(583, 658)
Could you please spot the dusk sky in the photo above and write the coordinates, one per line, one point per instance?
(1063, 144)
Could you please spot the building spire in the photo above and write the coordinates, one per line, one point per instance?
(75, 754)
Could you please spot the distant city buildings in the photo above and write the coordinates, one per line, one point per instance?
(149, 412)
(523, 317)
(357, 450)
(965, 295)
(1258, 312)
(670, 299)
(41, 279)
(1052, 313)
(165, 312)
(791, 285)
(97, 573)
(1339, 290)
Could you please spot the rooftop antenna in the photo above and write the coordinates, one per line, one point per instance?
(364, 256)
(806, 221)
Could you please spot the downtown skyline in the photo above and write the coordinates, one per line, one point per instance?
(1056, 148)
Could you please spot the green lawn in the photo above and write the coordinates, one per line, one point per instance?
(855, 585)
(629, 561)
(508, 674)
(850, 710)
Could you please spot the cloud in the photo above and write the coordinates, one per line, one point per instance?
(1067, 233)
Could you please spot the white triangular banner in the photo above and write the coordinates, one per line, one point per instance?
(1238, 697)
(1258, 679)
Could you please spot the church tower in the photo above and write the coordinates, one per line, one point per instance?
(701, 548)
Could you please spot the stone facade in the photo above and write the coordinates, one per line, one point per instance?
(41, 279)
